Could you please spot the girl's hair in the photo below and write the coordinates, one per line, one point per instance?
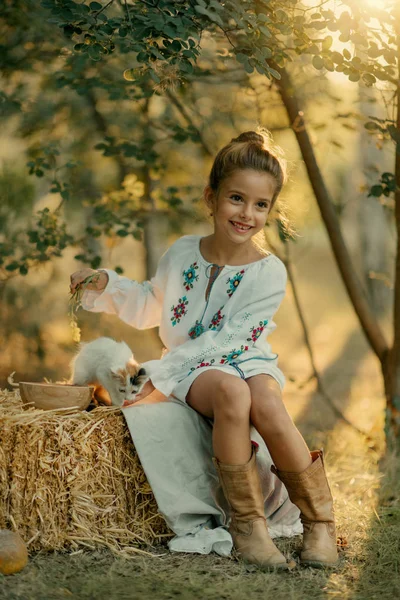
(250, 150)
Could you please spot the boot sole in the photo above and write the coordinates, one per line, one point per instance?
(318, 565)
(270, 568)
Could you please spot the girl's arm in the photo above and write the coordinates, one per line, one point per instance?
(137, 304)
(242, 336)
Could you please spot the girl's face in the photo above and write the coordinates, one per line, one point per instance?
(243, 203)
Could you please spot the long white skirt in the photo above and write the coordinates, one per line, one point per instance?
(174, 444)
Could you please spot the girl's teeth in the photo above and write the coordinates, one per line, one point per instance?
(241, 227)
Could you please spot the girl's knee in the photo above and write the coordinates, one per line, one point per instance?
(232, 398)
(269, 410)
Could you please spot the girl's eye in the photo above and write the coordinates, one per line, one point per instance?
(234, 196)
(263, 204)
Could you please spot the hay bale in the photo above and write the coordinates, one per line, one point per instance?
(71, 480)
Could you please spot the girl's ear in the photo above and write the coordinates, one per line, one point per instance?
(209, 197)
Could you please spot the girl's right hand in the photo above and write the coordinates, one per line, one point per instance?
(98, 283)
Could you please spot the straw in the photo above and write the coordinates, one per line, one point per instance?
(72, 480)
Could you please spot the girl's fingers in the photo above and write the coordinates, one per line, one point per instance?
(77, 278)
(130, 402)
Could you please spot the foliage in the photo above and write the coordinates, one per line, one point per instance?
(131, 52)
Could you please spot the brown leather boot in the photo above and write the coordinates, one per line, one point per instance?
(242, 488)
(310, 492)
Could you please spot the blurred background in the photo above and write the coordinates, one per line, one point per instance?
(116, 163)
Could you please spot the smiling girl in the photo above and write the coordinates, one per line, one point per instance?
(214, 299)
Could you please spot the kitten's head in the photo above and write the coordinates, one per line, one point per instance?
(129, 380)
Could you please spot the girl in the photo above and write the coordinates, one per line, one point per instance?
(214, 299)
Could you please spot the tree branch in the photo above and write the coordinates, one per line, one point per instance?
(189, 120)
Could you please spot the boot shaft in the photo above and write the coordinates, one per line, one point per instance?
(310, 490)
(242, 488)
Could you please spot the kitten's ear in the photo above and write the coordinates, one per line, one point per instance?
(142, 372)
(132, 364)
(115, 374)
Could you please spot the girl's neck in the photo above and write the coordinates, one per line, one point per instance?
(228, 254)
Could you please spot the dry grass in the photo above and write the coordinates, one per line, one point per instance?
(71, 480)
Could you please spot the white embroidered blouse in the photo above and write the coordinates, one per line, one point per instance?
(208, 318)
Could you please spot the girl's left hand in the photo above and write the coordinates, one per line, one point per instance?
(147, 389)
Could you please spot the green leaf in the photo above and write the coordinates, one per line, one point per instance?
(371, 126)
(94, 52)
(248, 67)
(129, 75)
(95, 262)
(211, 15)
(387, 177)
(122, 232)
(374, 52)
(369, 78)
(274, 73)
(346, 54)
(328, 64)
(337, 57)
(354, 76)
(95, 6)
(265, 31)
(240, 57)
(376, 190)
(318, 62)
(13, 266)
(327, 42)
(390, 56)
(394, 133)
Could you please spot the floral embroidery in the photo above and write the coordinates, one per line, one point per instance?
(233, 355)
(179, 310)
(203, 364)
(234, 282)
(216, 319)
(257, 331)
(195, 331)
(190, 276)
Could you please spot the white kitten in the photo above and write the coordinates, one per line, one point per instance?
(111, 368)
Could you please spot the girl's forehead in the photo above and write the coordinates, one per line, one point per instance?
(251, 181)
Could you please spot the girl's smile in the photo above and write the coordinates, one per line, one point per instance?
(241, 227)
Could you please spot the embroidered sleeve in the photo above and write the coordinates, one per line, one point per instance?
(138, 304)
(243, 335)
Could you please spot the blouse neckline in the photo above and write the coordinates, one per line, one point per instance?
(230, 267)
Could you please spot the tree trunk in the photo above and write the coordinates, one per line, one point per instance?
(392, 371)
(368, 322)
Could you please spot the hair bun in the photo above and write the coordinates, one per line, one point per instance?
(249, 136)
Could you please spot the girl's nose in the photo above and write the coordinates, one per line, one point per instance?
(245, 213)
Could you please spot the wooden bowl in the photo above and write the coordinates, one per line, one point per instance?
(48, 396)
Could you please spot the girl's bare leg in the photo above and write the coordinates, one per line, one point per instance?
(269, 416)
(227, 400)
